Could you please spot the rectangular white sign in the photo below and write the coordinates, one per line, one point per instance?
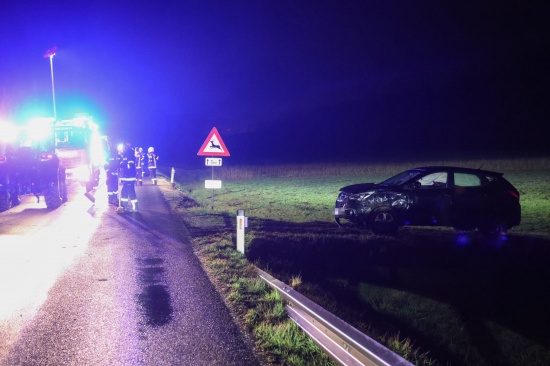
(213, 161)
(212, 184)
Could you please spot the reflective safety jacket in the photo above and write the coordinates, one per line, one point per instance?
(111, 166)
(140, 159)
(152, 160)
(127, 169)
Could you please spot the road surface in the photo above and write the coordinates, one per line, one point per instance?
(83, 285)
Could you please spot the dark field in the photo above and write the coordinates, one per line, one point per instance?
(453, 297)
(414, 283)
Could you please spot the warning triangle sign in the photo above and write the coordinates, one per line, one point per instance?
(213, 145)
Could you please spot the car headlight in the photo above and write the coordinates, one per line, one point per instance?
(361, 196)
(343, 197)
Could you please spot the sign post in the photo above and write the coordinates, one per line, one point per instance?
(213, 146)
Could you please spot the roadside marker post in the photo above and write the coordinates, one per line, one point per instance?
(242, 222)
(173, 172)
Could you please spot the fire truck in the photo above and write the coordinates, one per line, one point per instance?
(44, 156)
(81, 149)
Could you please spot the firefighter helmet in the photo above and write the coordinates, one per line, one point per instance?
(151, 149)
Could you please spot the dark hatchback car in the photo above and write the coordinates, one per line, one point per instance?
(462, 198)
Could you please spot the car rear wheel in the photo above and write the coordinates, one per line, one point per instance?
(15, 200)
(5, 201)
(383, 221)
(493, 229)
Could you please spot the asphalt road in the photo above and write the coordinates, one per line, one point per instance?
(84, 285)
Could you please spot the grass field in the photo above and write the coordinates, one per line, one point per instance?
(434, 295)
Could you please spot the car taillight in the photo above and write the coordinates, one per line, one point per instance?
(46, 157)
(513, 193)
(2, 158)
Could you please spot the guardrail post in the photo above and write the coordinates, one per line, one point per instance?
(241, 224)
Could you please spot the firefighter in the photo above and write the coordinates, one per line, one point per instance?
(111, 170)
(127, 150)
(127, 176)
(140, 160)
(152, 159)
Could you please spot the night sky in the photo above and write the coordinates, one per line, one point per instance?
(287, 81)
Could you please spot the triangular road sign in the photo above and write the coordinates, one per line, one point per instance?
(213, 145)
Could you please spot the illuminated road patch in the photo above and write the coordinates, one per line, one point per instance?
(31, 262)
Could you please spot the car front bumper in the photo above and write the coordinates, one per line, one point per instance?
(344, 213)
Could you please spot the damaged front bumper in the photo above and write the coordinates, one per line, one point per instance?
(344, 213)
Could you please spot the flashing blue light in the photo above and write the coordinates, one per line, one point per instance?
(69, 105)
(463, 239)
(31, 108)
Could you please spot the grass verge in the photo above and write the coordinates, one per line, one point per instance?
(255, 306)
(432, 295)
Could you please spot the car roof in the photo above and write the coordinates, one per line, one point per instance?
(435, 168)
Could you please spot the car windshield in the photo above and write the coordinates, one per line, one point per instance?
(401, 178)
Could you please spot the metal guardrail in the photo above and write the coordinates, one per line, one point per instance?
(343, 343)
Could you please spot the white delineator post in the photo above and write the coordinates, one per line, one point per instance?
(172, 177)
(241, 224)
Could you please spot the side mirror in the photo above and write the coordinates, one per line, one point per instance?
(415, 185)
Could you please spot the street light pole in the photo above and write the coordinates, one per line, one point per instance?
(50, 54)
(53, 88)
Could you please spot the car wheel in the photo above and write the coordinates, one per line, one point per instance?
(5, 201)
(15, 200)
(493, 230)
(383, 221)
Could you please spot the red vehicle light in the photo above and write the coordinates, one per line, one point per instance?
(2, 158)
(513, 193)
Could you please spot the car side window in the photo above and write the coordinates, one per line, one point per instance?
(467, 180)
(434, 180)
